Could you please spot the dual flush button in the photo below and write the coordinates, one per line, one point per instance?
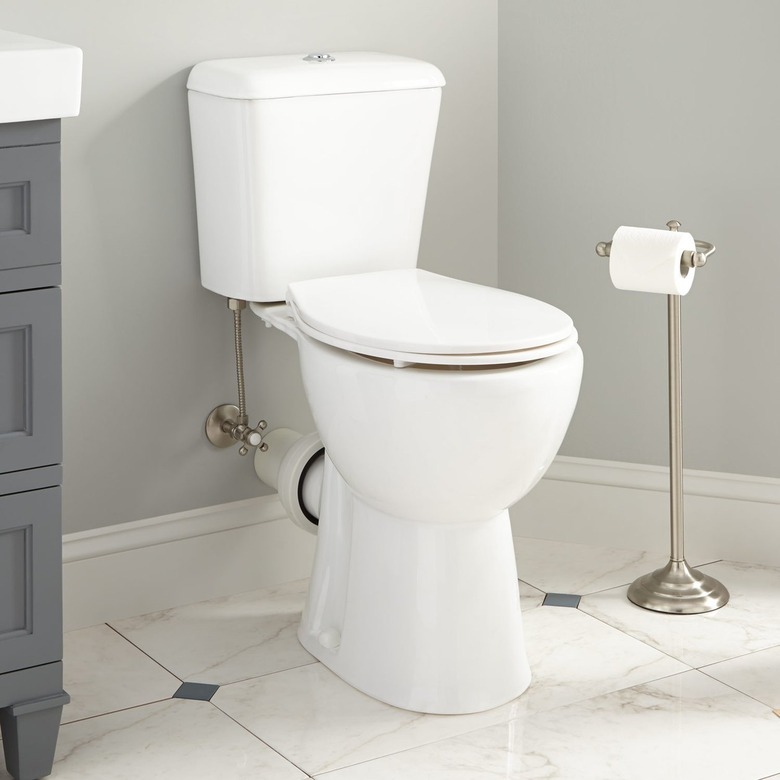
(319, 58)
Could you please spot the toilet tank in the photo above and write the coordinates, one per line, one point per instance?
(309, 166)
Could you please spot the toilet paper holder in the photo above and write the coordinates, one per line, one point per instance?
(688, 260)
(676, 588)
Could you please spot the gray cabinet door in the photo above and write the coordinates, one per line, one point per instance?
(30, 579)
(30, 379)
(29, 206)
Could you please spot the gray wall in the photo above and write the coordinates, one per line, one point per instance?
(610, 113)
(636, 113)
(147, 351)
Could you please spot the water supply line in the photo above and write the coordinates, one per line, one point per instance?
(236, 307)
(228, 424)
(295, 464)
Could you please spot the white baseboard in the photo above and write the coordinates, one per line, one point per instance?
(133, 568)
(130, 569)
(626, 505)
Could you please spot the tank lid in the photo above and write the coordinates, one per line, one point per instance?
(300, 75)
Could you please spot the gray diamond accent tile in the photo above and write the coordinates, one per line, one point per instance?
(196, 691)
(561, 600)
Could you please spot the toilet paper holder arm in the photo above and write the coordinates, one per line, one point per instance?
(688, 260)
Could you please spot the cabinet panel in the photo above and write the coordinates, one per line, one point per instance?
(39, 131)
(30, 379)
(30, 479)
(33, 276)
(14, 569)
(30, 579)
(14, 362)
(29, 206)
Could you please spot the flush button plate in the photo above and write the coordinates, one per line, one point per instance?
(319, 58)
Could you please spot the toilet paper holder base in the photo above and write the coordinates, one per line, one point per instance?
(676, 588)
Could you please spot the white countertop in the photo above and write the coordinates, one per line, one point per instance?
(39, 79)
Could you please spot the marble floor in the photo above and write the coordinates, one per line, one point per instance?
(222, 689)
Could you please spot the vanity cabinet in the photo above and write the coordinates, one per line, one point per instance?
(31, 694)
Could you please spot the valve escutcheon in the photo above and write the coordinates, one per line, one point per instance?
(223, 430)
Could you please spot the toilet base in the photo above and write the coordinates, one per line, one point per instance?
(421, 615)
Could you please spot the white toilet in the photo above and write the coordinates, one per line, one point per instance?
(440, 403)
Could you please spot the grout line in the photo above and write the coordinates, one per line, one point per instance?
(530, 585)
(221, 685)
(644, 642)
(405, 750)
(260, 739)
(141, 650)
(709, 563)
(733, 688)
(741, 655)
(604, 590)
(265, 674)
(114, 712)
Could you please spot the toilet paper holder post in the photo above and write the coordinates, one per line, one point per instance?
(676, 588)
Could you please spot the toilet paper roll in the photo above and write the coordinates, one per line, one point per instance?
(649, 260)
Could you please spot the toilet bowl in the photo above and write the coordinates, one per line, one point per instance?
(431, 430)
(439, 403)
(436, 399)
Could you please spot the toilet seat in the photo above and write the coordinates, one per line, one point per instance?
(411, 316)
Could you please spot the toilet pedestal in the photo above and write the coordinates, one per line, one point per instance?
(422, 615)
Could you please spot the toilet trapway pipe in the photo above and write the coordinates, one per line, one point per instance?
(294, 465)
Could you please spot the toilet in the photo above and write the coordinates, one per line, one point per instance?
(439, 403)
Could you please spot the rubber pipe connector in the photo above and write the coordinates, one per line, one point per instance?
(293, 464)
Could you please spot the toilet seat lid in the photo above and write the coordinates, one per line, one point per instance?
(415, 315)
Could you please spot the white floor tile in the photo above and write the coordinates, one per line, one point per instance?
(687, 726)
(565, 567)
(574, 656)
(612, 697)
(319, 722)
(756, 674)
(749, 622)
(103, 673)
(227, 639)
(176, 740)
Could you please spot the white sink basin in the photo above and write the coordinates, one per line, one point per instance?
(39, 79)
